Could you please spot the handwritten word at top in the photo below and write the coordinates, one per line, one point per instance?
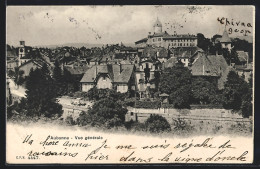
(236, 26)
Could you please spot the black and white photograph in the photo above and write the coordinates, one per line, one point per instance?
(130, 84)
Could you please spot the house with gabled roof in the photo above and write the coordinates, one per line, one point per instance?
(111, 76)
(211, 67)
(31, 64)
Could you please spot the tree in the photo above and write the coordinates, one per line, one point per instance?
(247, 99)
(18, 76)
(57, 72)
(41, 94)
(107, 113)
(203, 90)
(70, 81)
(234, 88)
(176, 82)
(157, 124)
(203, 43)
(58, 78)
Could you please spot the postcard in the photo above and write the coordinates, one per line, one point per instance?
(130, 84)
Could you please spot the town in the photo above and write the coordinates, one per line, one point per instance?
(161, 83)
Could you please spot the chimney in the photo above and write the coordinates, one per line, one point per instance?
(96, 71)
(120, 68)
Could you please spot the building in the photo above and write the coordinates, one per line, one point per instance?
(243, 58)
(184, 54)
(213, 68)
(12, 64)
(111, 76)
(245, 71)
(155, 53)
(146, 75)
(23, 53)
(163, 39)
(225, 41)
(31, 64)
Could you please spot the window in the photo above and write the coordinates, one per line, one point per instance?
(132, 113)
(159, 39)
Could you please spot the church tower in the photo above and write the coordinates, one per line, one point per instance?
(225, 40)
(157, 26)
(21, 51)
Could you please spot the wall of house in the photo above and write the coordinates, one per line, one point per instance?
(26, 68)
(86, 86)
(22, 61)
(12, 65)
(122, 88)
(104, 82)
(180, 42)
(226, 45)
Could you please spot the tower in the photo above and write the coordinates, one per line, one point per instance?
(21, 51)
(225, 40)
(157, 26)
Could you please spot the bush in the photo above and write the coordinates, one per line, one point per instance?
(104, 113)
(137, 126)
(97, 94)
(148, 104)
(69, 120)
(157, 124)
(181, 127)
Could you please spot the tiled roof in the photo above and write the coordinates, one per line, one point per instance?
(214, 65)
(77, 70)
(242, 56)
(170, 62)
(11, 54)
(113, 70)
(151, 52)
(142, 40)
(185, 51)
(225, 37)
(38, 63)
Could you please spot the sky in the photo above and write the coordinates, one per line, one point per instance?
(54, 25)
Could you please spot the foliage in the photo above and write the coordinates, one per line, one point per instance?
(135, 126)
(69, 120)
(104, 112)
(203, 91)
(157, 124)
(58, 78)
(17, 75)
(97, 94)
(182, 127)
(176, 82)
(243, 45)
(41, 95)
(148, 104)
(203, 43)
(235, 88)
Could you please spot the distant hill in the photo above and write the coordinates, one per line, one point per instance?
(79, 45)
